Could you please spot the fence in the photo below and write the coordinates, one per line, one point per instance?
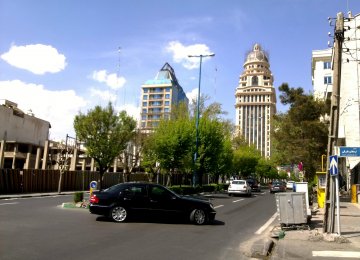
(28, 181)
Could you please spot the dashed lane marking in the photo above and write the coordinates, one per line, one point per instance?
(218, 206)
(8, 203)
(237, 200)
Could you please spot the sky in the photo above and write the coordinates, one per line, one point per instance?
(62, 57)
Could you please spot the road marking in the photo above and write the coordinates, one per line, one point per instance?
(9, 203)
(349, 254)
(265, 226)
(237, 200)
(218, 206)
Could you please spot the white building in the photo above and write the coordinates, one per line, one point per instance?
(256, 101)
(349, 108)
(322, 74)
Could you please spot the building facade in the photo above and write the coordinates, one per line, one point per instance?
(349, 106)
(256, 101)
(322, 73)
(157, 97)
(22, 137)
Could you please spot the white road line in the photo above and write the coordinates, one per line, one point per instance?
(265, 226)
(9, 203)
(348, 254)
(237, 200)
(218, 206)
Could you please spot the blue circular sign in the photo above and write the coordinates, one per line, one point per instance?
(93, 184)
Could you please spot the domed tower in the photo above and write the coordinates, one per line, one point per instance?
(256, 100)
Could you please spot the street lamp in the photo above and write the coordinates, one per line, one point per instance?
(196, 176)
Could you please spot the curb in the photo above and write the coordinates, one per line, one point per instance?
(262, 248)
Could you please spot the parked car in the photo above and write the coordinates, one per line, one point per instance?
(122, 201)
(277, 186)
(254, 184)
(290, 185)
(239, 187)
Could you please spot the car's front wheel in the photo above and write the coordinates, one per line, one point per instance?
(118, 214)
(198, 216)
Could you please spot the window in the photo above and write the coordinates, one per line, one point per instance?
(145, 97)
(254, 81)
(167, 96)
(144, 110)
(167, 103)
(167, 89)
(327, 65)
(146, 90)
(327, 80)
(166, 109)
(144, 104)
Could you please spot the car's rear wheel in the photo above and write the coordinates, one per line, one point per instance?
(198, 216)
(118, 214)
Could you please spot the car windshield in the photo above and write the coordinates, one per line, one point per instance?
(238, 182)
(277, 183)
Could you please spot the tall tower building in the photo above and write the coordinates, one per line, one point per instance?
(256, 101)
(158, 96)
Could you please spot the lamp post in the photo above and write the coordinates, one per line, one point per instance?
(196, 176)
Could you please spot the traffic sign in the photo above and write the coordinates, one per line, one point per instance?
(333, 165)
(349, 151)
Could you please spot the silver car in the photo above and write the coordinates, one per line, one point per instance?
(239, 187)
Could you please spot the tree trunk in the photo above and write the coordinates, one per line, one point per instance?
(60, 181)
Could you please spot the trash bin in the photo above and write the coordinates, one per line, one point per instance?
(291, 208)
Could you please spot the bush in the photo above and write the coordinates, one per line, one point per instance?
(209, 187)
(78, 197)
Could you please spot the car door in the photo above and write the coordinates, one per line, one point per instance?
(135, 198)
(162, 202)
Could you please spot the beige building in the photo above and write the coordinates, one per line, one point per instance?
(256, 101)
(22, 137)
(157, 97)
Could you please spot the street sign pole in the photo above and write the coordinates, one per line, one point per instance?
(337, 204)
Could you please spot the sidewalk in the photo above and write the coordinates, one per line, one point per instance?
(313, 244)
(29, 195)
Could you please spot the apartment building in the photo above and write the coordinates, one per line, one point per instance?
(322, 73)
(158, 95)
(256, 101)
(349, 107)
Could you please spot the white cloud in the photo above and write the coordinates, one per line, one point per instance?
(111, 80)
(131, 110)
(57, 107)
(104, 95)
(181, 52)
(38, 58)
(192, 95)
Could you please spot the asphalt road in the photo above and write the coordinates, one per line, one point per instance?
(38, 228)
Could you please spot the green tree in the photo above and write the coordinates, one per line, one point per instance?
(246, 159)
(105, 134)
(299, 135)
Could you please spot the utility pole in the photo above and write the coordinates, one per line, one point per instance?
(329, 216)
(196, 155)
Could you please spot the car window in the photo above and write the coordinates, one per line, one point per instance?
(157, 192)
(135, 190)
(238, 182)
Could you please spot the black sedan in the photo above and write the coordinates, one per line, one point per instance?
(124, 200)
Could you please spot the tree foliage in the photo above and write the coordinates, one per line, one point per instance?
(299, 135)
(105, 134)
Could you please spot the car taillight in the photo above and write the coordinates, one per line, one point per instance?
(94, 199)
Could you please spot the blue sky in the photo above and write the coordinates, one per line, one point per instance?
(61, 57)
